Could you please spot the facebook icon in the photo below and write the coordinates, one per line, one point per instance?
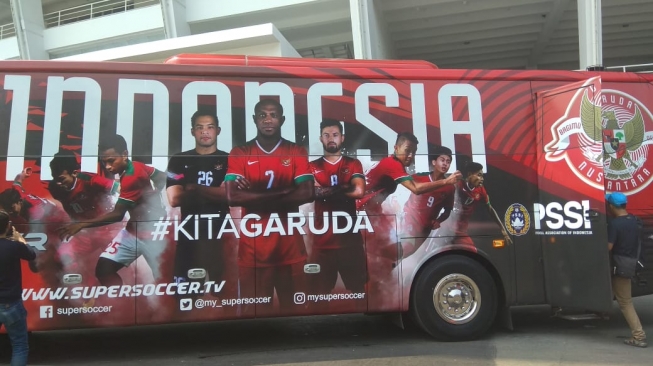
(46, 312)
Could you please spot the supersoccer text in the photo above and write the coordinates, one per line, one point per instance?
(138, 290)
(129, 90)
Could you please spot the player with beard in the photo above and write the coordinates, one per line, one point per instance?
(194, 185)
(426, 212)
(339, 181)
(470, 194)
(139, 195)
(83, 196)
(270, 177)
(383, 179)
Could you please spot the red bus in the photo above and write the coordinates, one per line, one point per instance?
(227, 187)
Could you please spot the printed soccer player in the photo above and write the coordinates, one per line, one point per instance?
(339, 181)
(270, 176)
(470, 194)
(195, 185)
(141, 200)
(426, 212)
(39, 216)
(383, 179)
(83, 196)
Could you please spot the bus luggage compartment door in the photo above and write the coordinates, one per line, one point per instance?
(570, 215)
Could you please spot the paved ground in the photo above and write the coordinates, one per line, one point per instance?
(538, 340)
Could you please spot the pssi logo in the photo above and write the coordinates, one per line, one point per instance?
(517, 220)
(554, 218)
(613, 131)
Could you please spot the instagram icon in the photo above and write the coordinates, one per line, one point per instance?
(300, 298)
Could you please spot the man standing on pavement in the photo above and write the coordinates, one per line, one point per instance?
(623, 239)
(13, 315)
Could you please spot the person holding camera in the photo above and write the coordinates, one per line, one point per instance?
(13, 248)
(624, 232)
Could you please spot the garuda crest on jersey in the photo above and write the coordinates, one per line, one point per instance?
(620, 138)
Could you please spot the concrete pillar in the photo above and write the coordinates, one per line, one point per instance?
(590, 36)
(28, 20)
(369, 31)
(174, 18)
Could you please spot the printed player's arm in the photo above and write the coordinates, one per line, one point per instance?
(240, 197)
(425, 187)
(177, 195)
(213, 194)
(357, 187)
(116, 215)
(159, 179)
(325, 192)
(302, 192)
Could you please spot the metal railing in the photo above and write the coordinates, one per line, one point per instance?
(7, 30)
(93, 10)
(641, 68)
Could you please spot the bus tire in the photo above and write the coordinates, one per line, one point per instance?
(467, 299)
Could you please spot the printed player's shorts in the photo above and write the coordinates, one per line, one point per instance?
(125, 248)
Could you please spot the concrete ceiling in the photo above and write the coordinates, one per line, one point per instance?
(514, 33)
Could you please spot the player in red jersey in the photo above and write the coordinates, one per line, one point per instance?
(383, 179)
(470, 194)
(141, 200)
(39, 217)
(83, 196)
(339, 181)
(269, 177)
(423, 213)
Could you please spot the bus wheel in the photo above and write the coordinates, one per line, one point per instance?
(454, 298)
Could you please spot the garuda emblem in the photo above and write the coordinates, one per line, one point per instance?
(622, 135)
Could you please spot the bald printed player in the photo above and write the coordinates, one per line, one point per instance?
(384, 177)
(426, 212)
(270, 176)
(470, 195)
(339, 181)
(194, 184)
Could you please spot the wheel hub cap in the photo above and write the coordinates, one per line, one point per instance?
(457, 298)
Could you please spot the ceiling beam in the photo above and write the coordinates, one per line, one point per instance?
(533, 22)
(470, 18)
(609, 29)
(448, 59)
(437, 45)
(623, 51)
(326, 50)
(471, 36)
(505, 63)
(459, 7)
(550, 26)
(317, 42)
(477, 51)
(393, 5)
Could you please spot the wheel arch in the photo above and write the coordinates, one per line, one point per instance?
(477, 256)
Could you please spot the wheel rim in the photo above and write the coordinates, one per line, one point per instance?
(457, 298)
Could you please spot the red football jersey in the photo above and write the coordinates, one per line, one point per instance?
(285, 165)
(136, 192)
(421, 210)
(382, 180)
(329, 174)
(90, 196)
(465, 203)
(40, 208)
